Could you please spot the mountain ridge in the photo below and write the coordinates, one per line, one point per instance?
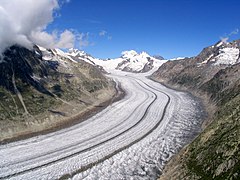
(41, 88)
(213, 76)
(130, 61)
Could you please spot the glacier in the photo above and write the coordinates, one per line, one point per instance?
(131, 139)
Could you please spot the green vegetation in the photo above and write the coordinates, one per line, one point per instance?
(215, 154)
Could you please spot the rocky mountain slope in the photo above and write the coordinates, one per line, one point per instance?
(213, 75)
(42, 88)
(130, 61)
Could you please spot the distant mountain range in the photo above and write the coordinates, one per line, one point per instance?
(130, 61)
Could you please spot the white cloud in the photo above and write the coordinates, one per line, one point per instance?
(102, 33)
(234, 32)
(66, 40)
(43, 38)
(227, 36)
(62, 2)
(83, 39)
(224, 39)
(24, 22)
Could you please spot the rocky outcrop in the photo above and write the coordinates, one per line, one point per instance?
(214, 74)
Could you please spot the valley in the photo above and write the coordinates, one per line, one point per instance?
(115, 113)
(144, 129)
(118, 113)
(119, 90)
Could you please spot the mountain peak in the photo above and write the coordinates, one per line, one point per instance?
(144, 54)
(129, 61)
(129, 54)
(132, 53)
(73, 50)
(221, 53)
(220, 43)
(76, 52)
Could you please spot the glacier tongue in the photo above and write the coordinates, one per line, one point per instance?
(131, 139)
(146, 159)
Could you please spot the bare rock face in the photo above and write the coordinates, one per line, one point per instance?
(23, 65)
(214, 73)
(148, 66)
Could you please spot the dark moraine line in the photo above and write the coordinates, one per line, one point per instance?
(72, 146)
(84, 168)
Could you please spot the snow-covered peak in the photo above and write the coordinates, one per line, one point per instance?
(220, 43)
(59, 52)
(129, 54)
(41, 48)
(72, 50)
(144, 54)
(75, 52)
(222, 53)
(129, 61)
(133, 54)
(136, 62)
(55, 55)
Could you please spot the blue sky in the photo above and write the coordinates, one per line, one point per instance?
(170, 28)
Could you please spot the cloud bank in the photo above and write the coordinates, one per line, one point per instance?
(24, 22)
